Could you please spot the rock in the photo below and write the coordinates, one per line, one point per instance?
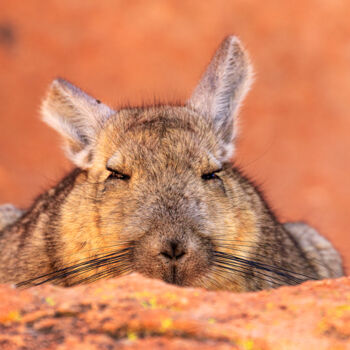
(138, 313)
(295, 125)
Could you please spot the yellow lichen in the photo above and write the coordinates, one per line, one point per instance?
(132, 336)
(247, 344)
(170, 296)
(269, 306)
(12, 316)
(166, 324)
(50, 301)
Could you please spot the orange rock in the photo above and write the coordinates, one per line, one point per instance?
(138, 313)
(295, 127)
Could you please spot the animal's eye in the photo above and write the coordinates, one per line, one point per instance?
(211, 176)
(114, 174)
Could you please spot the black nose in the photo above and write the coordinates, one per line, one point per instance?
(173, 250)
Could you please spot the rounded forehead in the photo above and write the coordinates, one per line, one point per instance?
(158, 125)
(149, 133)
(161, 119)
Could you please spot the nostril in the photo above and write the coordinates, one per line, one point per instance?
(173, 251)
(179, 255)
(166, 255)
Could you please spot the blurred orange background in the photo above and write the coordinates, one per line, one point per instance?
(295, 124)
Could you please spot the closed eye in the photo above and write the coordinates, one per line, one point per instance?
(114, 174)
(211, 176)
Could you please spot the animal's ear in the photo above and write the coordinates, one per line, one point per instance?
(222, 89)
(77, 117)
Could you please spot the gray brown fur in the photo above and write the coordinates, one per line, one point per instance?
(173, 207)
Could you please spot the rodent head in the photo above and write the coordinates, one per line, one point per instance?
(157, 179)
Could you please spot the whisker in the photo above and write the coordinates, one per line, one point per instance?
(242, 263)
(282, 272)
(263, 257)
(256, 274)
(77, 269)
(233, 248)
(103, 274)
(247, 271)
(266, 246)
(81, 271)
(85, 251)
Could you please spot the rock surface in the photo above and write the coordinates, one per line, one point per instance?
(137, 313)
(295, 124)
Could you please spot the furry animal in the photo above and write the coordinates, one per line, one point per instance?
(155, 192)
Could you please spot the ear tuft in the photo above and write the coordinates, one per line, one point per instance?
(76, 116)
(223, 87)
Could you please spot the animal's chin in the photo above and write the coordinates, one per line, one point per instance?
(173, 277)
(179, 281)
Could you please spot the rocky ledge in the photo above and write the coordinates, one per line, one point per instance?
(138, 313)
